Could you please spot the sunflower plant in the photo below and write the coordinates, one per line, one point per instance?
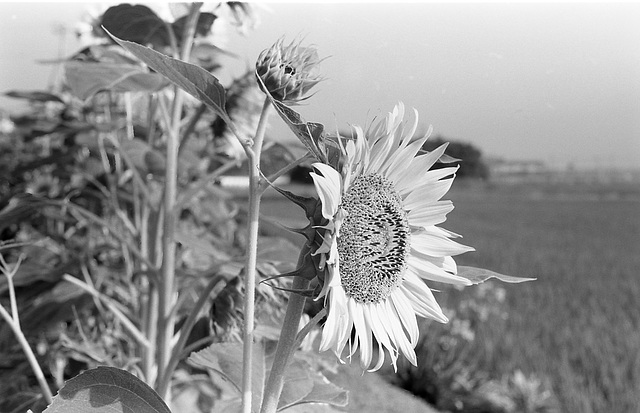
(372, 246)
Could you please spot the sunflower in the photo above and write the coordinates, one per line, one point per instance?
(380, 241)
(288, 73)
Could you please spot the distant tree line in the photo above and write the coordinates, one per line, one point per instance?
(472, 164)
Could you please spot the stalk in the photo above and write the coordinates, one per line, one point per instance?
(287, 341)
(255, 193)
(166, 321)
(28, 352)
(13, 320)
(186, 330)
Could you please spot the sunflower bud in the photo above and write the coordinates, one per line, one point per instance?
(287, 73)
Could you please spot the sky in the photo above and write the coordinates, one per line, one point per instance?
(522, 81)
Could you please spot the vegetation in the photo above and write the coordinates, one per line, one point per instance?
(472, 164)
(575, 330)
(120, 249)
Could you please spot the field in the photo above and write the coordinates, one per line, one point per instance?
(578, 324)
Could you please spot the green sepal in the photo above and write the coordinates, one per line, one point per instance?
(308, 232)
(308, 204)
(307, 292)
(294, 273)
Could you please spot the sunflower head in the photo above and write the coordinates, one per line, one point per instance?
(381, 242)
(288, 73)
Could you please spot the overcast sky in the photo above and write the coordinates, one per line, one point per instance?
(556, 82)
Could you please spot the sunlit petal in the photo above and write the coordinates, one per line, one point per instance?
(381, 242)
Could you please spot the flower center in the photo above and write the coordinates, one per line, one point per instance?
(374, 239)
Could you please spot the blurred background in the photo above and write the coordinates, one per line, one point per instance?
(547, 85)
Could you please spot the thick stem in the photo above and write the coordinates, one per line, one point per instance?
(168, 285)
(287, 342)
(285, 347)
(251, 256)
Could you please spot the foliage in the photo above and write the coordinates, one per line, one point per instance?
(576, 329)
(144, 264)
(106, 389)
(81, 194)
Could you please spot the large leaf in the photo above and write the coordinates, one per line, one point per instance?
(479, 275)
(136, 23)
(108, 390)
(226, 360)
(325, 392)
(193, 79)
(203, 26)
(86, 78)
(297, 384)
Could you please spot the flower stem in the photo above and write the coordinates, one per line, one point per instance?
(167, 286)
(26, 348)
(251, 256)
(186, 330)
(287, 341)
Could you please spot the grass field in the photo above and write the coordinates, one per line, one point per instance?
(579, 323)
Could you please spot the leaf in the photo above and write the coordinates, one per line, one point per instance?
(136, 23)
(193, 79)
(108, 390)
(86, 78)
(309, 133)
(226, 360)
(324, 391)
(203, 26)
(297, 384)
(478, 275)
(34, 95)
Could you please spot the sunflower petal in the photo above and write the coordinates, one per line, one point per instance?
(421, 298)
(432, 214)
(424, 195)
(435, 245)
(399, 335)
(406, 315)
(328, 188)
(338, 321)
(420, 163)
(363, 332)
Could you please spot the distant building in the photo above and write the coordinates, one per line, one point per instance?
(515, 170)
